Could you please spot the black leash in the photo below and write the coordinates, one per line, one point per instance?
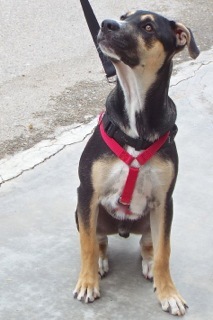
(94, 29)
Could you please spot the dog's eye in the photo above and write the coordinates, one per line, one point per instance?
(148, 28)
(123, 17)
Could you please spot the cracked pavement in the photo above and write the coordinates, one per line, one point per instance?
(40, 255)
(39, 244)
(13, 167)
(43, 151)
(51, 76)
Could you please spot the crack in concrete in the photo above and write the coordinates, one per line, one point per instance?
(64, 146)
(195, 71)
(44, 160)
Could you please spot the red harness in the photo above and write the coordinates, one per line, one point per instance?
(142, 158)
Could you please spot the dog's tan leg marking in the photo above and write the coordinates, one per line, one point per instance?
(147, 255)
(87, 287)
(100, 172)
(170, 299)
(167, 294)
(103, 259)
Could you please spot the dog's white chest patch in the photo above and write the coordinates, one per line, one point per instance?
(144, 195)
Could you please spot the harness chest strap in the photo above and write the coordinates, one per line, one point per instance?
(142, 158)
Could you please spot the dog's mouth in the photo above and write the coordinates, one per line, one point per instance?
(106, 45)
(117, 43)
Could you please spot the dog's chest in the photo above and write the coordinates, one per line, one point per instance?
(146, 195)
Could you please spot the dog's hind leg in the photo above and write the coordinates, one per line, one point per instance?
(147, 254)
(87, 287)
(103, 259)
(171, 300)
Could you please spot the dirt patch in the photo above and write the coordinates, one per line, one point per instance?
(77, 104)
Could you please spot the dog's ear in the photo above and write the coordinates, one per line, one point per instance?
(184, 37)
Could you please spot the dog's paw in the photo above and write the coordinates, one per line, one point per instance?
(86, 290)
(103, 266)
(174, 305)
(171, 301)
(147, 269)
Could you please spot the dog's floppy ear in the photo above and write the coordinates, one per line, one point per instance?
(184, 37)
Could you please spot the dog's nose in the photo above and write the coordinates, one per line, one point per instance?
(110, 25)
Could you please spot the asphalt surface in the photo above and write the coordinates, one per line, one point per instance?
(51, 76)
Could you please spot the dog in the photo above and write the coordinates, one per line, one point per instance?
(129, 166)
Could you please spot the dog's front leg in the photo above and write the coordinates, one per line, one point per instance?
(167, 294)
(87, 287)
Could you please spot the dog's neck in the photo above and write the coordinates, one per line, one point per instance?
(140, 104)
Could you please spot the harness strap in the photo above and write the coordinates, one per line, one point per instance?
(142, 158)
(113, 130)
(129, 187)
(149, 152)
(116, 148)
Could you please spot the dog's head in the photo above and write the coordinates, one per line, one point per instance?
(144, 38)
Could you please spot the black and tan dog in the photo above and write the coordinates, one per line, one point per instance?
(138, 114)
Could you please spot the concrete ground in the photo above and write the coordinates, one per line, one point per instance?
(51, 86)
(39, 250)
(50, 74)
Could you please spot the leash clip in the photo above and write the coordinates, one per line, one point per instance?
(111, 79)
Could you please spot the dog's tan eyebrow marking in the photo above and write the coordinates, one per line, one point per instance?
(130, 13)
(147, 16)
(126, 15)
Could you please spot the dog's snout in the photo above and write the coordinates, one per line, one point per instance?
(110, 25)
